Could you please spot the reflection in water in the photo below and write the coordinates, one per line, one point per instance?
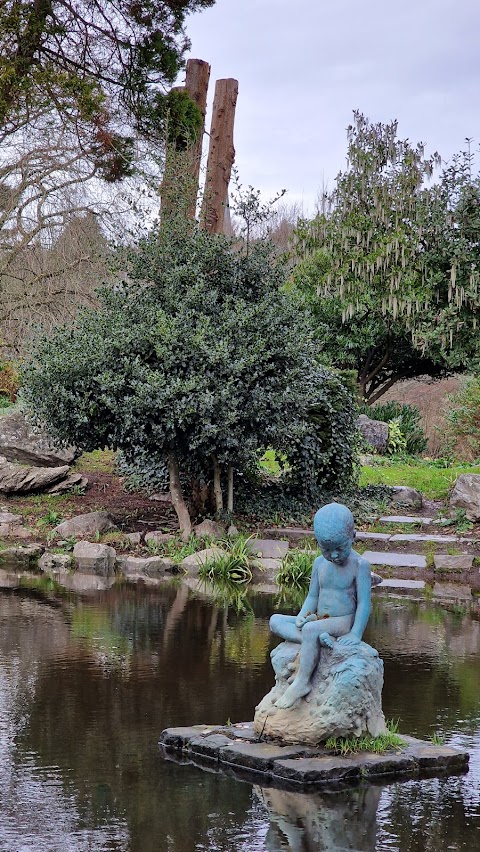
(87, 686)
(321, 821)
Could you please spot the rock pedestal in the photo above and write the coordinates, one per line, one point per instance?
(345, 699)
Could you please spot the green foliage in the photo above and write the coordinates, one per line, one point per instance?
(52, 518)
(408, 418)
(198, 353)
(388, 742)
(231, 566)
(93, 65)
(296, 569)
(9, 382)
(437, 739)
(459, 520)
(272, 462)
(427, 476)
(175, 549)
(184, 119)
(462, 420)
(396, 443)
(390, 265)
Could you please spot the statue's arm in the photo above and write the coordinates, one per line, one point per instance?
(311, 601)
(364, 585)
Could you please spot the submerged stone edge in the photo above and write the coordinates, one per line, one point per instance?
(239, 747)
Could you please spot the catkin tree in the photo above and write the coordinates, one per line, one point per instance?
(390, 266)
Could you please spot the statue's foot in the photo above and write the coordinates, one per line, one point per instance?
(292, 694)
(326, 640)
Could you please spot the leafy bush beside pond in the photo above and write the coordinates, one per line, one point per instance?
(199, 361)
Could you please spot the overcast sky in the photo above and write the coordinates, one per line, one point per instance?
(304, 65)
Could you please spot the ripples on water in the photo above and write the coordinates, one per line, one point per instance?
(86, 686)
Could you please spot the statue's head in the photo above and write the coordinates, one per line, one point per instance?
(334, 529)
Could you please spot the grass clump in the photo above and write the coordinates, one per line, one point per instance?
(391, 741)
(232, 564)
(175, 549)
(296, 570)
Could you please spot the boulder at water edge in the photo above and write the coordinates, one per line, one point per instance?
(345, 699)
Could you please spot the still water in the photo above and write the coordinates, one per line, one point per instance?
(87, 685)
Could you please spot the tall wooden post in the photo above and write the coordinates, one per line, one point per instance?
(221, 156)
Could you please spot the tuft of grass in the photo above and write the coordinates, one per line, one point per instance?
(176, 549)
(296, 569)
(51, 519)
(437, 739)
(430, 549)
(391, 741)
(232, 566)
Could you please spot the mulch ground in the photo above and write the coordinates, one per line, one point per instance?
(130, 511)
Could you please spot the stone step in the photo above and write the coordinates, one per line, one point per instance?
(405, 519)
(410, 537)
(440, 539)
(395, 560)
(396, 584)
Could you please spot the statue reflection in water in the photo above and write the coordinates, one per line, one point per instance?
(321, 821)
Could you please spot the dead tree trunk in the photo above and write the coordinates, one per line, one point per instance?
(221, 156)
(178, 501)
(179, 189)
(196, 84)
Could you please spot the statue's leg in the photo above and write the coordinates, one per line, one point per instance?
(285, 627)
(309, 655)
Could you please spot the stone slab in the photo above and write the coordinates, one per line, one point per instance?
(395, 560)
(265, 570)
(268, 548)
(291, 533)
(321, 770)
(404, 585)
(439, 539)
(443, 562)
(405, 519)
(372, 536)
(260, 756)
(308, 767)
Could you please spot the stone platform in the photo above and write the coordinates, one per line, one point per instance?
(238, 747)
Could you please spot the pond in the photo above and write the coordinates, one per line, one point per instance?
(88, 684)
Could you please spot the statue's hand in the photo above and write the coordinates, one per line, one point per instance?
(303, 619)
(349, 639)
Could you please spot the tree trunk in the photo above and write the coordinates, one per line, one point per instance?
(230, 490)
(217, 486)
(196, 84)
(179, 189)
(178, 502)
(221, 156)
